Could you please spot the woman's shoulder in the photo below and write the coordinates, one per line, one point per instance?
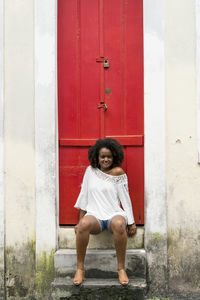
(88, 169)
(117, 171)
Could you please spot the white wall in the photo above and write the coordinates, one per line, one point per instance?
(183, 171)
(19, 121)
(154, 107)
(46, 140)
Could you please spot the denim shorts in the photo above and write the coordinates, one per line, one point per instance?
(104, 224)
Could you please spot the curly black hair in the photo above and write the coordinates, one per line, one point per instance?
(111, 144)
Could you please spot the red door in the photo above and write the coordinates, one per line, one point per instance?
(100, 65)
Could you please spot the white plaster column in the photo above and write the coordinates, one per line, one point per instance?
(2, 227)
(155, 173)
(45, 124)
(198, 72)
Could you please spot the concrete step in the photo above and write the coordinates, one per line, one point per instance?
(98, 289)
(100, 263)
(104, 240)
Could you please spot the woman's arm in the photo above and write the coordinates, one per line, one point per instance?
(123, 193)
(81, 202)
(126, 203)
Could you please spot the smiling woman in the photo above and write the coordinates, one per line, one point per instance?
(105, 159)
(115, 150)
(104, 190)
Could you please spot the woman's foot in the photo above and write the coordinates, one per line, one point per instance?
(79, 277)
(123, 278)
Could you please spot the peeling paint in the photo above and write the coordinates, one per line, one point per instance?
(178, 141)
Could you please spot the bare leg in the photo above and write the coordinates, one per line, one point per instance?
(87, 225)
(118, 228)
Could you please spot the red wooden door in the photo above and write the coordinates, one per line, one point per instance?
(90, 31)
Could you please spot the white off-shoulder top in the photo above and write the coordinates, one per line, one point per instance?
(101, 195)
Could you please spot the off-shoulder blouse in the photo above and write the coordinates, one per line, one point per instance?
(101, 195)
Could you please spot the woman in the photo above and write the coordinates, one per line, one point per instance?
(104, 187)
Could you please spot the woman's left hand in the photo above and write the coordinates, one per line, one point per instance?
(131, 229)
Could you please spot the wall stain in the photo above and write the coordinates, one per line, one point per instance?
(178, 141)
(157, 273)
(20, 271)
(183, 260)
(28, 277)
(45, 273)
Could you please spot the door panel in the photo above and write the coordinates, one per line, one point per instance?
(78, 73)
(73, 162)
(135, 171)
(89, 71)
(88, 32)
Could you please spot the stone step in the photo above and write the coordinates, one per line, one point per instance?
(100, 263)
(98, 289)
(104, 240)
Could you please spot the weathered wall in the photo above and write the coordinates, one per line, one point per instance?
(19, 122)
(155, 177)
(19, 147)
(183, 171)
(176, 55)
(28, 272)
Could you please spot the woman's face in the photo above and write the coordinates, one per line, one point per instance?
(105, 159)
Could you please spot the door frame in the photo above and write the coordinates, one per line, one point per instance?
(46, 126)
(46, 137)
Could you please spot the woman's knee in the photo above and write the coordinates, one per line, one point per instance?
(118, 225)
(84, 225)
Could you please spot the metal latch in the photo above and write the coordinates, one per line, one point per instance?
(102, 105)
(103, 60)
(106, 63)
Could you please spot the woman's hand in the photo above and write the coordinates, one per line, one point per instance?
(131, 229)
(76, 228)
(81, 215)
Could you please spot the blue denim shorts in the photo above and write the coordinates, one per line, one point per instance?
(104, 224)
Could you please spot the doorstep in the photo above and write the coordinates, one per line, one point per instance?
(104, 240)
(98, 289)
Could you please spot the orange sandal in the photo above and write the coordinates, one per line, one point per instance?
(79, 277)
(123, 278)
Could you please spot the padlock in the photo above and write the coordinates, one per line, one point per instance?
(106, 63)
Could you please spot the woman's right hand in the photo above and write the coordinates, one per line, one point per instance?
(76, 228)
(81, 215)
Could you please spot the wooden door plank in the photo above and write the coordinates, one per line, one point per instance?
(124, 140)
